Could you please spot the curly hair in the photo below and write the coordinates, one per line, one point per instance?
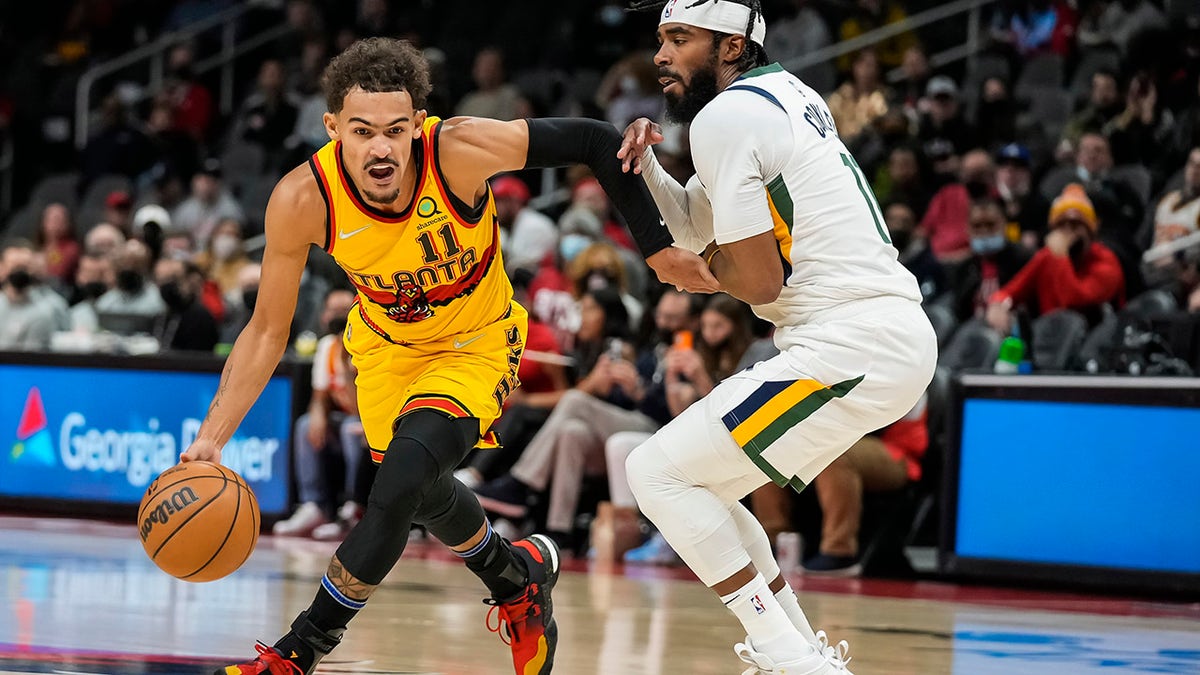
(377, 64)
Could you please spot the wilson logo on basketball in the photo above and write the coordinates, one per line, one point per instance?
(169, 506)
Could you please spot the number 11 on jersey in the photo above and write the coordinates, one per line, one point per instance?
(872, 205)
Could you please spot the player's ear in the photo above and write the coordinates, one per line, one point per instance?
(419, 123)
(732, 48)
(330, 121)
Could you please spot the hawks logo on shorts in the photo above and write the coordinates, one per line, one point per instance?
(434, 269)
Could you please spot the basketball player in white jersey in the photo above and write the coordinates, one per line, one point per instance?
(788, 223)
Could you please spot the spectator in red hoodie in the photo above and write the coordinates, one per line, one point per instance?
(1072, 270)
(945, 221)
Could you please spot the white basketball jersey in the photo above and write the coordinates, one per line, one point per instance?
(833, 242)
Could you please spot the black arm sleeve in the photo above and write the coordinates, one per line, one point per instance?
(561, 141)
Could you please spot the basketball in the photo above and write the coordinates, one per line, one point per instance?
(198, 521)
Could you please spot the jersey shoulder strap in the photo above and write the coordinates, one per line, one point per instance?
(760, 91)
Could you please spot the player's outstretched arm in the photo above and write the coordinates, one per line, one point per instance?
(474, 149)
(295, 219)
(686, 210)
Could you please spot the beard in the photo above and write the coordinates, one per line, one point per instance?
(683, 109)
(382, 197)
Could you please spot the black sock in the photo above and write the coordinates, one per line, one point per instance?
(297, 650)
(331, 610)
(493, 561)
(319, 628)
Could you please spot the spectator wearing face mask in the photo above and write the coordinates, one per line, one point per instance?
(945, 222)
(225, 257)
(601, 265)
(993, 262)
(93, 278)
(329, 432)
(1072, 271)
(133, 294)
(913, 247)
(186, 325)
(26, 323)
(243, 308)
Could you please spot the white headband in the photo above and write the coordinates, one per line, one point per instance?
(714, 15)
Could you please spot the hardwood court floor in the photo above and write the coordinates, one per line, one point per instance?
(82, 597)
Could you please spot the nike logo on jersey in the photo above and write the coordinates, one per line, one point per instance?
(464, 343)
(346, 235)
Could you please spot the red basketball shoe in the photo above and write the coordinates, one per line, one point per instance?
(270, 661)
(526, 623)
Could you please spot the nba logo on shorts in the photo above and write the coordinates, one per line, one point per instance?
(757, 604)
(668, 9)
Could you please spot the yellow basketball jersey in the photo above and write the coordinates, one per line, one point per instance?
(427, 273)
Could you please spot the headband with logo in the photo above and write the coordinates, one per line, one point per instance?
(714, 15)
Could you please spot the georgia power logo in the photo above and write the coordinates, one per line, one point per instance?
(139, 454)
(34, 444)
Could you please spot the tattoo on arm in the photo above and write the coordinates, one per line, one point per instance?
(346, 583)
(216, 402)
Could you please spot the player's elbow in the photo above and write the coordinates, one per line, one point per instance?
(762, 293)
(766, 285)
(267, 331)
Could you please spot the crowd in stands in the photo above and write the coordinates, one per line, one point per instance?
(1056, 172)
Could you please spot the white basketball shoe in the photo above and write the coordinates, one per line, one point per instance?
(837, 655)
(813, 662)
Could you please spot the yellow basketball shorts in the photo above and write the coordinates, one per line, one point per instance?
(463, 375)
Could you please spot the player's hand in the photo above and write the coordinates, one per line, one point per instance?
(318, 430)
(639, 135)
(201, 451)
(684, 270)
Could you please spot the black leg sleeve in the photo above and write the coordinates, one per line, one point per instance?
(561, 141)
(417, 466)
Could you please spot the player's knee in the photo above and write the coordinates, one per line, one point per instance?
(426, 446)
(644, 471)
(404, 475)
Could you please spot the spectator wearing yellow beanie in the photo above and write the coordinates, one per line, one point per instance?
(1071, 271)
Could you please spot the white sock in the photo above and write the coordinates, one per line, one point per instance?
(769, 627)
(791, 606)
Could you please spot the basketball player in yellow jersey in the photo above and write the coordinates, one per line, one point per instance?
(401, 201)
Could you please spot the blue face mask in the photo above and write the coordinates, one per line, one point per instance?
(571, 245)
(987, 245)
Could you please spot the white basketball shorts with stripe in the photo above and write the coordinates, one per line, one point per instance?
(853, 370)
